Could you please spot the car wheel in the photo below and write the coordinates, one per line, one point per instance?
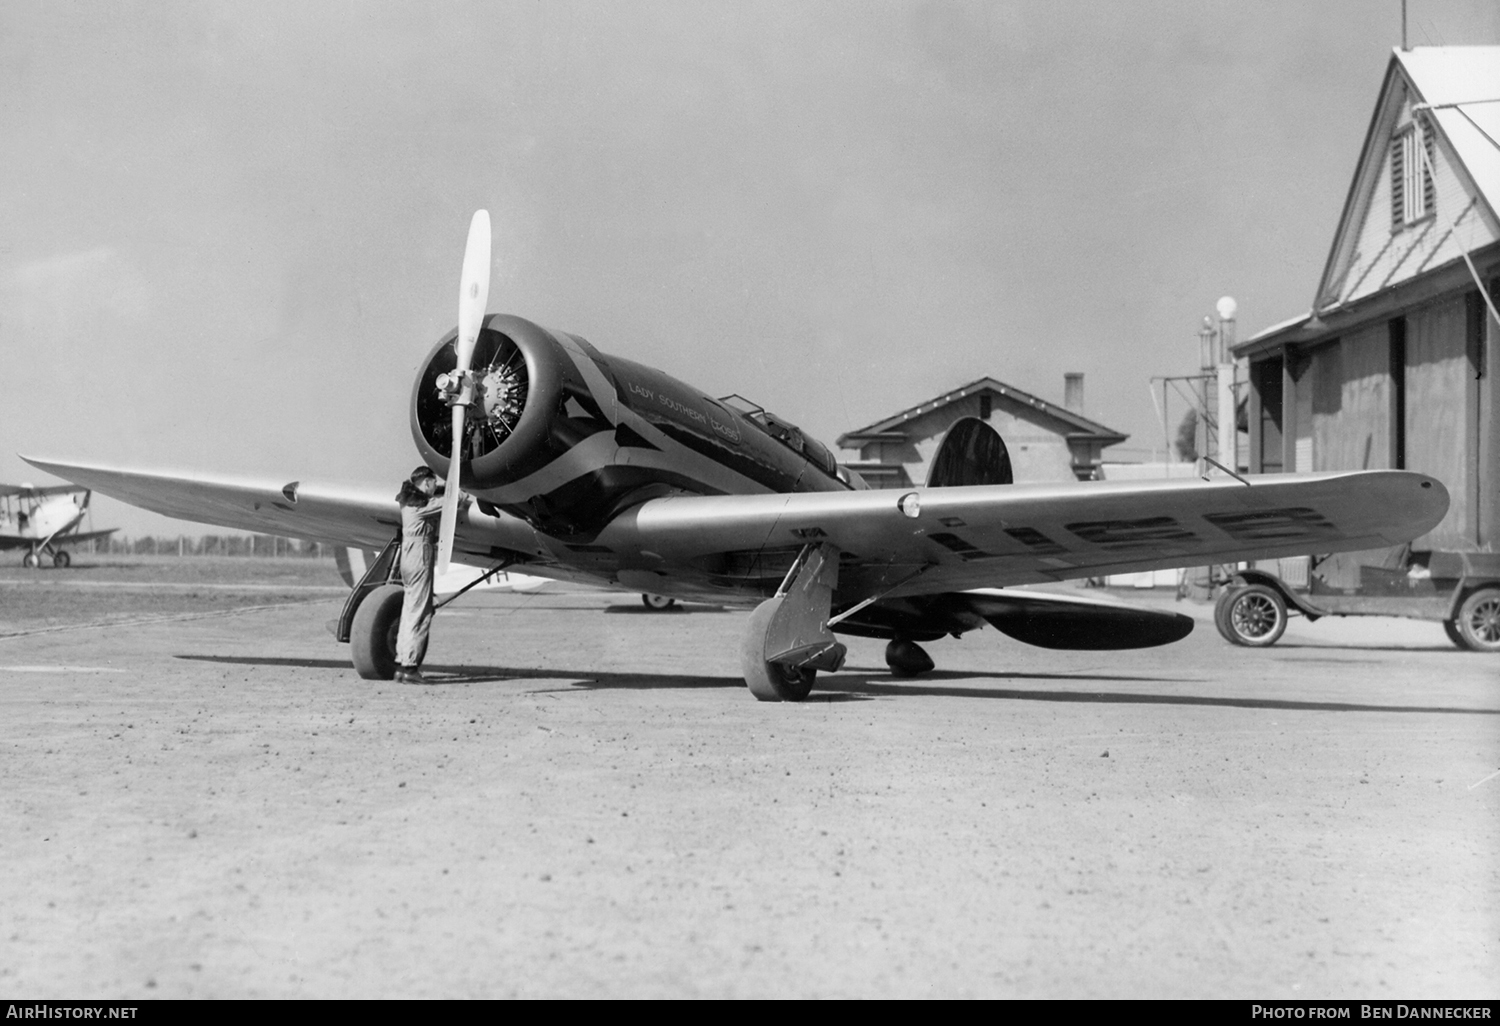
(1253, 616)
(1479, 620)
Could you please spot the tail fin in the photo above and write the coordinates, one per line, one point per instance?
(972, 453)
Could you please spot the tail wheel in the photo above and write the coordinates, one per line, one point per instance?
(771, 682)
(1478, 620)
(1253, 616)
(657, 602)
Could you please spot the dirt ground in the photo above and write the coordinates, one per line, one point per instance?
(205, 801)
(116, 589)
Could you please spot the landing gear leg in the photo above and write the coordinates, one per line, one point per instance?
(789, 641)
(906, 658)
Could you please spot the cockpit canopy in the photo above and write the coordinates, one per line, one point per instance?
(785, 432)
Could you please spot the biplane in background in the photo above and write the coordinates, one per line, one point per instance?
(43, 521)
(581, 466)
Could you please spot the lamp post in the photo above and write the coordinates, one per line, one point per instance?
(1206, 362)
(1224, 373)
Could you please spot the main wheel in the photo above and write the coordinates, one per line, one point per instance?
(657, 602)
(771, 682)
(31, 561)
(1479, 620)
(1254, 616)
(60, 558)
(372, 636)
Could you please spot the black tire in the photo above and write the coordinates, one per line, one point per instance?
(1221, 609)
(60, 558)
(771, 682)
(31, 561)
(372, 636)
(657, 603)
(1450, 628)
(1253, 616)
(906, 658)
(1479, 620)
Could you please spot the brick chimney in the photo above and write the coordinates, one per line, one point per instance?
(1073, 392)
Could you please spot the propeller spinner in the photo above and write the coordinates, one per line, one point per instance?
(473, 297)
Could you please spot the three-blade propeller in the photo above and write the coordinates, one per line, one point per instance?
(473, 296)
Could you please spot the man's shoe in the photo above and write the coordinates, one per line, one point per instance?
(411, 675)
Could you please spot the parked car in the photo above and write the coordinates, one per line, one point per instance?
(1461, 590)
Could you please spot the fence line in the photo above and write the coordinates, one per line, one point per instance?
(248, 546)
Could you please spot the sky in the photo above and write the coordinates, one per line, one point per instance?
(229, 231)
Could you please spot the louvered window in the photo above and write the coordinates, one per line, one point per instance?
(1413, 193)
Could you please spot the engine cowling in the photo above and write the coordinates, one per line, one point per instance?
(522, 377)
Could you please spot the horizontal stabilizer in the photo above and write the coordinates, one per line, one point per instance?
(1049, 620)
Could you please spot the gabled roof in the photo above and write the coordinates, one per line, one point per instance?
(1451, 79)
(889, 428)
(1451, 82)
(1458, 88)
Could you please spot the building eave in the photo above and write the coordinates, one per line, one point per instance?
(1301, 332)
(886, 427)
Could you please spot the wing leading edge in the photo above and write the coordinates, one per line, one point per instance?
(932, 540)
(925, 541)
(362, 517)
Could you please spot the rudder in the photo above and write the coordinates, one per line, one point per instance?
(972, 453)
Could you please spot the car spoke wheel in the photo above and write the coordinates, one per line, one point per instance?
(1254, 616)
(1479, 620)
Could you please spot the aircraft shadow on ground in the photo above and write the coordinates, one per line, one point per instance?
(1283, 646)
(440, 675)
(858, 686)
(872, 687)
(669, 611)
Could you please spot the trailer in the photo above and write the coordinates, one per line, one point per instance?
(1460, 590)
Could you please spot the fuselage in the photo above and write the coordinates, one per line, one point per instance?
(567, 438)
(43, 519)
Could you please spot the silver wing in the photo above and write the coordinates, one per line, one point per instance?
(913, 551)
(362, 517)
(930, 540)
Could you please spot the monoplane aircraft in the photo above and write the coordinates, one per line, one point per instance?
(576, 465)
(44, 520)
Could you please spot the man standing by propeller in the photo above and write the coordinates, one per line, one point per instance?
(421, 505)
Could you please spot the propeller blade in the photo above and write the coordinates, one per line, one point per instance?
(449, 522)
(473, 297)
(474, 293)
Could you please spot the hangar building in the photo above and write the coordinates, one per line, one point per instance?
(1046, 442)
(1394, 365)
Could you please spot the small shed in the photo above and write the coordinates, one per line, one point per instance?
(1393, 367)
(1047, 442)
